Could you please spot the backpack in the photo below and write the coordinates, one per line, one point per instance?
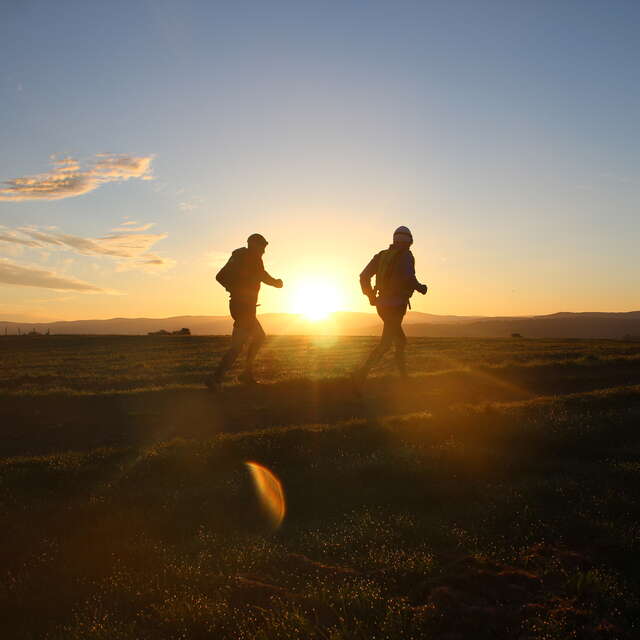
(228, 275)
(386, 264)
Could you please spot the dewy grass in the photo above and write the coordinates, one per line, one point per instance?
(488, 501)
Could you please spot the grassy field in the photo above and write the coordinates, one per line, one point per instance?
(493, 495)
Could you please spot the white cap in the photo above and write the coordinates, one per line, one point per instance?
(402, 234)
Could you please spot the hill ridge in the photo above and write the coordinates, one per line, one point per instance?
(563, 324)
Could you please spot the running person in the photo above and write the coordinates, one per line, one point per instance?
(394, 269)
(242, 277)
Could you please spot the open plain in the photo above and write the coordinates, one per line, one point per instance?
(492, 495)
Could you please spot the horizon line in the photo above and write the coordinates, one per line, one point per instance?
(317, 321)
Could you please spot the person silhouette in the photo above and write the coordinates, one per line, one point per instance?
(394, 269)
(242, 276)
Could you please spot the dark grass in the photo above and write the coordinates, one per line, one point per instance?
(92, 364)
(64, 393)
(493, 497)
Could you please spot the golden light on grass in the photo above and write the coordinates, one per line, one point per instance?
(315, 298)
(270, 491)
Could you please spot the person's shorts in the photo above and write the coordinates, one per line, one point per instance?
(391, 313)
(243, 314)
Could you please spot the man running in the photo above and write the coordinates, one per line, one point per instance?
(241, 277)
(394, 269)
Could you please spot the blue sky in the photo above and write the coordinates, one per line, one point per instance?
(504, 134)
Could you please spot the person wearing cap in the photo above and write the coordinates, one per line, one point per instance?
(394, 270)
(242, 276)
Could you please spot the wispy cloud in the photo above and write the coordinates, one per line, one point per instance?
(119, 245)
(68, 179)
(27, 276)
(12, 237)
(148, 263)
(190, 205)
(121, 166)
(129, 247)
(130, 226)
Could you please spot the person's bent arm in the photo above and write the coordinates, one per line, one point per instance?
(365, 278)
(410, 267)
(270, 280)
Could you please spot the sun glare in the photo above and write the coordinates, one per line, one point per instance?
(315, 299)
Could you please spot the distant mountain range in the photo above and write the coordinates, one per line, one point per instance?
(556, 325)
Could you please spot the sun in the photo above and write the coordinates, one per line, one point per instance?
(315, 299)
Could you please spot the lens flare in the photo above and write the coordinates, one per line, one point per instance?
(270, 491)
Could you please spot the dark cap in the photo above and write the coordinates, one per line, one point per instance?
(256, 238)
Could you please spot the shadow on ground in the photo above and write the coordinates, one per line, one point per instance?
(38, 424)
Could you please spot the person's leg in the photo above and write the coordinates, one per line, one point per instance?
(400, 343)
(240, 334)
(382, 347)
(238, 338)
(257, 340)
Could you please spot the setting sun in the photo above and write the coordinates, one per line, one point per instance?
(315, 299)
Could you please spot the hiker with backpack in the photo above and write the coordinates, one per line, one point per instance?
(394, 269)
(242, 276)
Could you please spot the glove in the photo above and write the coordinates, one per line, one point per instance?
(422, 289)
(279, 284)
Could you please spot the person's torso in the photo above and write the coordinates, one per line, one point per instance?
(247, 275)
(394, 281)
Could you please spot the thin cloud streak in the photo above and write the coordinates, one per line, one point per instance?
(67, 179)
(10, 237)
(142, 227)
(26, 276)
(130, 248)
(190, 205)
(120, 245)
(149, 264)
